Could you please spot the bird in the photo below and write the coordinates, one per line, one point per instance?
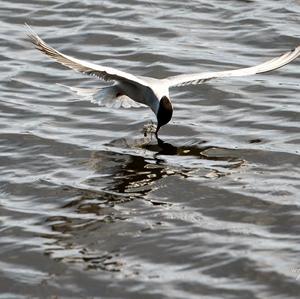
(152, 92)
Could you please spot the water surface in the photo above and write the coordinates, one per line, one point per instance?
(91, 208)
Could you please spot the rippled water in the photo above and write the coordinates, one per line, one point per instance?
(90, 208)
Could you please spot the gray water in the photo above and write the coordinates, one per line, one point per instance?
(92, 208)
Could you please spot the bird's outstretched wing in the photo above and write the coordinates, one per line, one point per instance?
(104, 73)
(275, 63)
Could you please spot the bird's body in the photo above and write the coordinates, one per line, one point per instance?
(154, 93)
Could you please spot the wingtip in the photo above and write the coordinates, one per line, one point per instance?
(295, 52)
(28, 28)
(297, 48)
(31, 34)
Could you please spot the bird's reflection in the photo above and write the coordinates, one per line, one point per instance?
(99, 205)
(199, 151)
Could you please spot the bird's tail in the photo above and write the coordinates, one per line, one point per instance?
(107, 96)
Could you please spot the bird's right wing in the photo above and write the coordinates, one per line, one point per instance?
(193, 79)
(102, 72)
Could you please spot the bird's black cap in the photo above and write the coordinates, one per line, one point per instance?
(165, 112)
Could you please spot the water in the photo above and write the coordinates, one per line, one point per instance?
(90, 208)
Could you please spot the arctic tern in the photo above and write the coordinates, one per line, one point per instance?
(154, 93)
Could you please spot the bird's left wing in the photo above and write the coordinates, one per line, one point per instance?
(275, 63)
(102, 72)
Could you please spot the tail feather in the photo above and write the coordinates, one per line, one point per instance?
(106, 96)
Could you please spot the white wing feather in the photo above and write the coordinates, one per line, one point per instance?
(193, 79)
(104, 73)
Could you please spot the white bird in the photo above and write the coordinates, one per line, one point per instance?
(150, 91)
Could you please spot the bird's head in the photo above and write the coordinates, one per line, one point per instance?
(164, 113)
